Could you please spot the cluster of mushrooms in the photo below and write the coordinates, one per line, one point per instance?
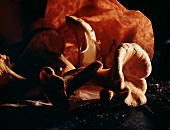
(60, 68)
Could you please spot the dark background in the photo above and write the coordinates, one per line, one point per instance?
(158, 12)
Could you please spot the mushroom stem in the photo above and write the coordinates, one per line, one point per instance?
(103, 78)
(58, 89)
(73, 82)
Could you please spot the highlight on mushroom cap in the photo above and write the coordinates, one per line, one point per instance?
(131, 66)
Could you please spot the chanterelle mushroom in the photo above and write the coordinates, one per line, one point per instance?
(53, 87)
(127, 76)
(86, 39)
(57, 89)
(6, 74)
(131, 66)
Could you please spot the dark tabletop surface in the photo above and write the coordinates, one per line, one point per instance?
(93, 115)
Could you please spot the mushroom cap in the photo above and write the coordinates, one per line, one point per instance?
(106, 95)
(131, 66)
(46, 72)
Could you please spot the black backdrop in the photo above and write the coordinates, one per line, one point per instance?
(158, 12)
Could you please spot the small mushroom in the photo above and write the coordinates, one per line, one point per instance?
(58, 89)
(106, 95)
